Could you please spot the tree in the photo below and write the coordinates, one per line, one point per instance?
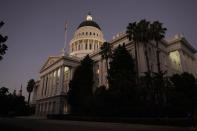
(106, 52)
(132, 34)
(143, 28)
(3, 39)
(81, 86)
(4, 91)
(183, 93)
(121, 78)
(30, 87)
(157, 33)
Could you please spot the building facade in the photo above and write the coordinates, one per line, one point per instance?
(50, 94)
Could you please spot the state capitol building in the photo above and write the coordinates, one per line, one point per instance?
(50, 94)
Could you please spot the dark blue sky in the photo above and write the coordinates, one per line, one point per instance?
(35, 28)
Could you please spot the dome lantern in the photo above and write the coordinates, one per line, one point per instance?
(89, 17)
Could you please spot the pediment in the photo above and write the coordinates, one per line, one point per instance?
(51, 60)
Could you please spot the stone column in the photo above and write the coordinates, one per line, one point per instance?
(40, 88)
(183, 66)
(62, 80)
(55, 91)
(43, 86)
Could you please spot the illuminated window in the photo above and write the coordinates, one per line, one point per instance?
(58, 73)
(54, 74)
(66, 69)
(97, 71)
(107, 85)
(175, 60)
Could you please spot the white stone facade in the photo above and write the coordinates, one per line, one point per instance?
(50, 96)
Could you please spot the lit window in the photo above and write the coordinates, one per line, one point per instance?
(175, 60)
(54, 73)
(66, 69)
(98, 71)
(58, 74)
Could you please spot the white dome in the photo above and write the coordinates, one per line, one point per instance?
(87, 39)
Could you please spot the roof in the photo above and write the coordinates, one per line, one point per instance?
(89, 23)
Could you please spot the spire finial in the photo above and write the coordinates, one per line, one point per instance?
(89, 17)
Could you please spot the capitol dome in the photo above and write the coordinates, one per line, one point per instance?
(87, 38)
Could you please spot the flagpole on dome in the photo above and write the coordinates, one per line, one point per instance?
(63, 53)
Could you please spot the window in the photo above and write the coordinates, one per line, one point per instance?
(175, 60)
(97, 71)
(90, 46)
(86, 46)
(93, 33)
(82, 33)
(86, 33)
(90, 33)
(58, 73)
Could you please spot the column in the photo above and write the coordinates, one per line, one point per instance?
(88, 44)
(55, 92)
(182, 61)
(40, 88)
(61, 80)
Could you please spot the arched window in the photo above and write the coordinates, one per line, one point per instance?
(90, 46)
(82, 33)
(86, 46)
(90, 33)
(86, 33)
(93, 33)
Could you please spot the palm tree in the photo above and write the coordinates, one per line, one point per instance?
(106, 52)
(132, 34)
(158, 33)
(30, 86)
(143, 28)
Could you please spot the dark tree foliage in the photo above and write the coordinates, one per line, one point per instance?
(183, 96)
(81, 86)
(122, 79)
(30, 87)
(12, 105)
(3, 39)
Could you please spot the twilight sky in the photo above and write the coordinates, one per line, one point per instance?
(35, 28)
